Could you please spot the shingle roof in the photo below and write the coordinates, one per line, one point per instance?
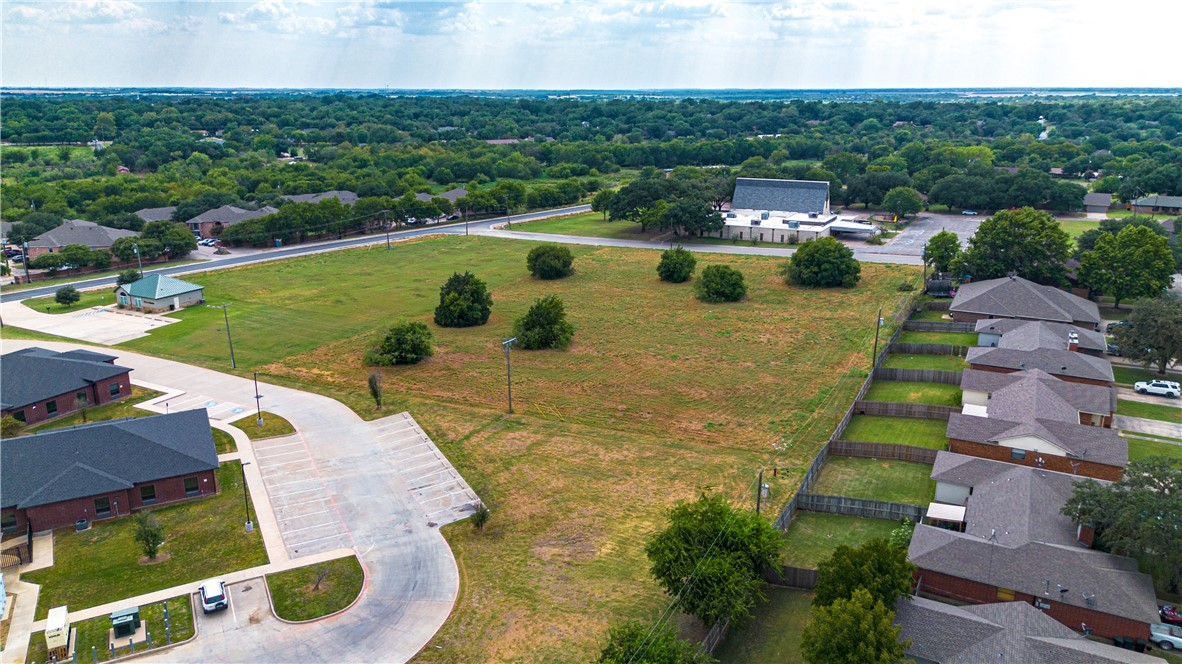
(1015, 297)
(782, 195)
(1032, 334)
(64, 464)
(1079, 441)
(35, 374)
(1053, 361)
(346, 197)
(156, 214)
(1159, 201)
(1097, 199)
(1077, 397)
(450, 194)
(1000, 632)
(227, 215)
(156, 286)
(77, 231)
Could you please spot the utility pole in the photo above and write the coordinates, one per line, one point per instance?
(877, 326)
(508, 217)
(759, 493)
(140, 261)
(246, 498)
(386, 219)
(507, 345)
(28, 279)
(258, 400)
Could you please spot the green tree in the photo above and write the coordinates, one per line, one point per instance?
(78, 255)
(175, 238)
(1155, 336)
(636, 643)
(10, 426)
(464, 301)
(876, 566)
(711, 557)
(1137, 516)
(602, 202)
(720, 283)
(127, 277)
(104, 126)
(677, 265)
(857, 630)
(51, 263)
(1135, 263)
(404, 343)
(480, 517)
(1028, 242)
(691, 216)
(550, 261)
(902, 201)
(149, 534)
(375, 388)
(67, 296)
(823, 263)
(544, 325)
(941, 250)
(124, 249)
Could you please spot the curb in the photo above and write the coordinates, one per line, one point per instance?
(364, 586)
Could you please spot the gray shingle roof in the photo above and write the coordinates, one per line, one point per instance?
(1097, 199)
(77, 231)
(156, 286)
(1077, 397)
(64, 464)
(781, 195)
(1053, 361)
(35, 374)
(227, 215)
(1015, 297)
(1077, 440)
(1000, 632)
(155, 214)
(450, 194)
(1029, 335)
(1159, 201)
(346, 197)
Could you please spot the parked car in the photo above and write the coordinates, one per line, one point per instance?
(1165, 388)
(1166, 637)
(17, 258)
(1170, 614)
(1113, 349)
(1116, 325)
(213, 595)
(969, 213)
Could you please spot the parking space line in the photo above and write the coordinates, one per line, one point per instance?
(271, 447)
(318, 539)
(441, 470)
(301, 516)
(314, 500)
(261, 457)
(319, 525)
(284, 495)
(288, 463)
(306, 479)
(446, 495)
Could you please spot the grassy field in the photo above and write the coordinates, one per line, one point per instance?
(1140, 448)
(109, 411)
(812, 536)
(773, 635)
(10, 332)
(296, 596)
(203, 538)
(938, 362)
(659, 398)
(876, 479)
(1128, 375)
(90, 298)
(273, 426)
(946, 338)
(94, 632)
(224, 441)
(938, 394)
(1076, 227)
(590, 224)
(1165, 411)
(899, 430)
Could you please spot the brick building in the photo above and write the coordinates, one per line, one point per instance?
(1015, 297)
(105, 469)
(41, 384)
(1033, 335)
(75, 231)
(1061, 363)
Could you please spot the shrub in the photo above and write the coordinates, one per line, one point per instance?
(480, 517)
(676, 266)
(875, 240)
(823, 263)
(405, 343)
(464, 301)
(67, 296)
(720, 283)
(9, 426)
(149, 534)
(550, 261)
(544, 325)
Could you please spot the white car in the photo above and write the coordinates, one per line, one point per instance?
(1166, 388)
(1166, 637)
(213, 595)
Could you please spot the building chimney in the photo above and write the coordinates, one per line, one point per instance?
(1072, 341)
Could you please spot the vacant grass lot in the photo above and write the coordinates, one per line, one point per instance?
(937, 362)
(812, 536)
(946, 338)
(876, 479)
(660, 398)
(773, 634)
(203, 538)
(589, 224)
(110, 411)
(1129, 375)
(297, 597)
(1141, 448)
(1076, 227)
(898, 430)
(95, 632)
(1166, 411)
(938, 394)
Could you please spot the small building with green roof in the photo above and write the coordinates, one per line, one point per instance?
(156, 292)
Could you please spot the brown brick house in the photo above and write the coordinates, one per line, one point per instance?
(1035, 334)
(1015, 297)
(105, 469)
(41, 384)
(1059, 362)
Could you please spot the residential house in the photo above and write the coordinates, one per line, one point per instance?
(209, 223)
(345, 197)
(1015, 297)
(41, 384)
(785, 212)
(156, 292)
(105, 469)
(998, 632)
(76, 231)
(1059, 362)
(451, 195)
(156, 214)
(1010, 543)
(1158, 205)
(1095, 202)
(1021, 334)
(1090, 405)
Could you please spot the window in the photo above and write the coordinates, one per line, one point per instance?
(115, 389)
(102, 507)
(191, 486)
(51, 408)
(8, 520)
(1017, 454)
(19, 415)
(1005, 594)
(82, 399)
(148, 494)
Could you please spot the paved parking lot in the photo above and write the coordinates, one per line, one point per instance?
(248, 606)
(308, 520)
(224, 411)
(436, 485)
(912, 238)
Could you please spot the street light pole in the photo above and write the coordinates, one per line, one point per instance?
(230, 339)
(139, 260)
(258, 400)
(507, 345)
(28, 279)
(877, 326)
(246, 498)
(508, 217)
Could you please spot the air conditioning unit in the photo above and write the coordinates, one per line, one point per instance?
(764, 215)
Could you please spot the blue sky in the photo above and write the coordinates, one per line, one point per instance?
(607, 44)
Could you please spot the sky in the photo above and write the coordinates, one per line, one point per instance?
(590, 44)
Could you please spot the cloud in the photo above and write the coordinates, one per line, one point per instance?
(82, 11)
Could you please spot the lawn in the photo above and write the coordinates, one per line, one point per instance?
(937, 362)
(590, 224)
(11, 332)
(946, 338)
(40, 281)
(296, 596)
(1140, 448)
(1166, 411)
(899, 430)
(94, 633)
(812, 536)
(876, 479)
(204, 538)
(110, 411)
(938, 394)
(90, 298)
(273, 426)
(224, 441)
(1076, 227)
(773, 634)
(1126, 375)
(925, 314)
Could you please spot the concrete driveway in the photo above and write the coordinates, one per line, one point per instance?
(100, 325)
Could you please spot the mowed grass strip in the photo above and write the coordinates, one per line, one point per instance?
(937, 362)
(938, 394)
(773, 634)
(90, 298)
(297, 595)
(588, 224)
(1130, 375)
(813, 536)
(946, 338)
(913, 431)
(876, 479)
(1166, 412)
(929, 315)
(224, 441)
(94, 633)
(273, 426)
(203, 538)
(1141, 448)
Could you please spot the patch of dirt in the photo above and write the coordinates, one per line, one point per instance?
(310, 589)
(160, 558)
(255, 617)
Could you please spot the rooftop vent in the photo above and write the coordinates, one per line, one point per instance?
(731, 215)
(764, 215)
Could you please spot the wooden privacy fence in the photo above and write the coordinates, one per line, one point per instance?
(937, 326)
(893, 409)
(939, 305)
(791, 577)
(806, 483)
(917, 375)
(928, 349)
(853, 448)
(871, 509)
(715, 636)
